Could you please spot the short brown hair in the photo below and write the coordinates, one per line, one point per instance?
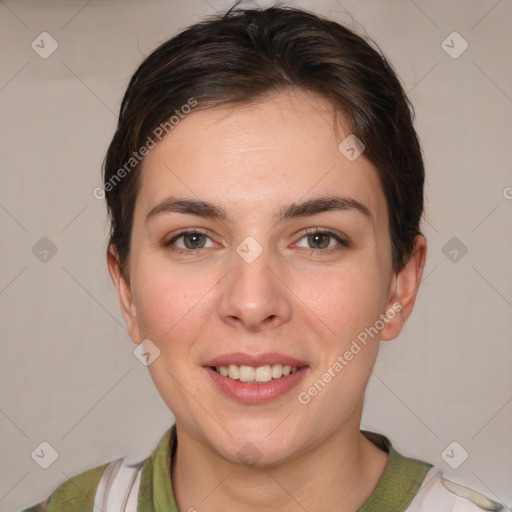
(245, 54)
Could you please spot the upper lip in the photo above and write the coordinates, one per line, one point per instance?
(255, 360)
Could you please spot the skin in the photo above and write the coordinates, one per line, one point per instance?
(294, 299)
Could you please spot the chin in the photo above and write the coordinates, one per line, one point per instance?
(258, 455)
(257, 446)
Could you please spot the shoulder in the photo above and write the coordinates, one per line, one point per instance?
(114, 485)
(439, 493)
(78, 491)
(412, 485)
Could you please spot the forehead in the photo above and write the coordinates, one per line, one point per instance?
(257, 156)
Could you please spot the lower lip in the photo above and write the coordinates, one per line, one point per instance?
(257, 393)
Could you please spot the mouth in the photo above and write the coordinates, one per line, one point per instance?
(255, 378)
(256, 375)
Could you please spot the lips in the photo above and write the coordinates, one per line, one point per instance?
(254, 360)
(255, 392)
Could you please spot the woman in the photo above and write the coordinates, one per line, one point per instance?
(265, 187)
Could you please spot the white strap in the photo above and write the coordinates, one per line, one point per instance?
(133, 498)
(439, 495)
(118, 488)
(104, 483)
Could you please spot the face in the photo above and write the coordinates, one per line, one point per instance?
(260, 279)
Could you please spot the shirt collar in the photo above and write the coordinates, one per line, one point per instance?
(397, 487)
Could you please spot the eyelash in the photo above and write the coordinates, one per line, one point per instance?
(310, 231)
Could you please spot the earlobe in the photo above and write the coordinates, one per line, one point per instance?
(406, 285)
(124, 293)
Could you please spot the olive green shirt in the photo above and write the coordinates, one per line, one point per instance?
(397, 487)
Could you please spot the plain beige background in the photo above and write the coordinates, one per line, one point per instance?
(68, 373)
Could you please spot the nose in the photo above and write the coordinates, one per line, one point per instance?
(254, 294)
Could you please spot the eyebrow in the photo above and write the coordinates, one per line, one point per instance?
(307, 208)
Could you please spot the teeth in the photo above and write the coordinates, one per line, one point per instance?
(246, 373)
(263, 373)
(233, 371)
(277, 371)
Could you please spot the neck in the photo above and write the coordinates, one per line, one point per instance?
(340, 474)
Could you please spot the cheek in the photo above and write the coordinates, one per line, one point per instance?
(170, 313)
(345, 301)
(169, 303)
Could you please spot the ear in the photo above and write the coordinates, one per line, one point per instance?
(403, 290)
(124, 294)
